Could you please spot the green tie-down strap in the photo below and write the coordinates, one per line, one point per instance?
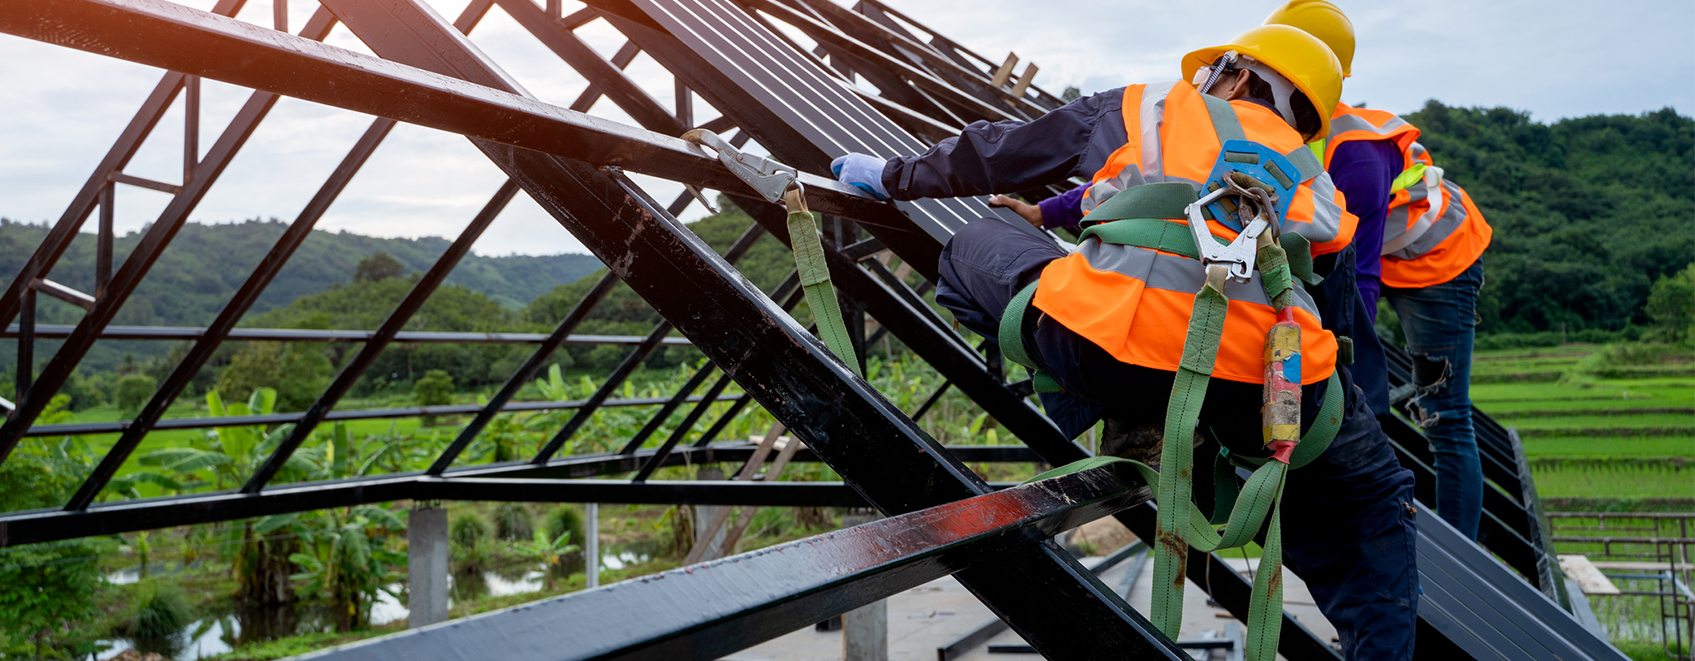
(815, 281)
(1010, 335)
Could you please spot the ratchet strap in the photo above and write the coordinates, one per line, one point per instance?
(815, 280)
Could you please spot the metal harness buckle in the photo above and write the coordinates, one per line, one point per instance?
(767, 177)
(1238, 256)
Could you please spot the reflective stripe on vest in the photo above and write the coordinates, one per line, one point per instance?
(1350, 124)
(1135, 304)
(1453, 242)
(1170, 137)
(1427, 238)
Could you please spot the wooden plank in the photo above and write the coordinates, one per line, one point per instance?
(1588, 576)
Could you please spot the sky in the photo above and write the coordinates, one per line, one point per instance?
(63, 108)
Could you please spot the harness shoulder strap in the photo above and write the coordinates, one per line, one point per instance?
(1224, 120)
(1306, 162)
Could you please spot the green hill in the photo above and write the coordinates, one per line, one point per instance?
(205, 264)
(1588, 212)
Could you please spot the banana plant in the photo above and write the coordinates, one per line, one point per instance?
(346, 558)
(549, 553)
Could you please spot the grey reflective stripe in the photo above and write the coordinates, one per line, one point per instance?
(1351, 122)
(1439, 231)
(1153, 116)
(1326, 213)
(1178, 274)
(1129, 178)
(1402, 234)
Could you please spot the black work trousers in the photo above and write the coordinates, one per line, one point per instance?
(1348, 517)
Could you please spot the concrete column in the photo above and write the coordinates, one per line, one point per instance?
(865, 631)
(426, 567)
(591, 544)
(703, 515)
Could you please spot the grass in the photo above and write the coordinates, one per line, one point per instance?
(1615, 478)
(1610, 446)
(1604, 426)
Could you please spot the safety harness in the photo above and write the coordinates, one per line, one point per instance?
(780, 183)
(1248, 190)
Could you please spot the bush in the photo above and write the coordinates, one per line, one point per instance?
(435, 389)
(468, 542)
(563, 519)
(298, 375)
(512, 522)
(162, 613)
(1671, 304)
(134, 391)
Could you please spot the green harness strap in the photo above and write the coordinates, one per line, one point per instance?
(1014, 323)
(1134, 221)
(815, 280)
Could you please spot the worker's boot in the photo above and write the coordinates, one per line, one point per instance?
(1134, 441)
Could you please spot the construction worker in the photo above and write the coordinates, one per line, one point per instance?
(1431, 238)
(1109, 323)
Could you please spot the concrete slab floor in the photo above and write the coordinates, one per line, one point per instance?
(934, 614)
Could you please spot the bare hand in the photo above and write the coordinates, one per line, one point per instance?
(1029, 212)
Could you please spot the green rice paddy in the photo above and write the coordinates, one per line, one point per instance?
(1598, 422)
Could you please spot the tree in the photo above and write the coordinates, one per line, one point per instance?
(1071, 94)
(45, 589)
(378, 267)
(296, 374)
(1671, 304)
(435, 389)
(134, 391)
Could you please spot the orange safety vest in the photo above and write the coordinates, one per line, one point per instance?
(1135, 302)
(1428, 238)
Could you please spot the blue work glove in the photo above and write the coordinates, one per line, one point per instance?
(862, 170)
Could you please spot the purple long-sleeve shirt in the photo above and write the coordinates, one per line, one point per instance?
(1365, 170)
(1063, 210)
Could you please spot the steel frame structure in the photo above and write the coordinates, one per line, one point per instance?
(803, 103)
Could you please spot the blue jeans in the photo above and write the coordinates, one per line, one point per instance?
(1348, 520)
(1440, 322)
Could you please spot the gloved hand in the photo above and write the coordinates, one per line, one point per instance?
(863, 171)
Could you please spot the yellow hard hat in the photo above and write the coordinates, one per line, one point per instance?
(1305, 61)
(1320, 19)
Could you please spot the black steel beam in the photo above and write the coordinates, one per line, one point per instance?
(30, 527)
(214, 335)
(152, 243)
(151, 32)
(355, 367)
(98, 189)
(186, 333)
(683, 428)
(715, 608)
(525, 372)
(791, 373)
(119, 426)
(625, 367)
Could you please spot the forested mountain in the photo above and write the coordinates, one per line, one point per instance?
(205, 264)
(1587, 212)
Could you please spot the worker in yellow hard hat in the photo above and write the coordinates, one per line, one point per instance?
(1420, 242)
(1119, 328)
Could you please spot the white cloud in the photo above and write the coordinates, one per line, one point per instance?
(64, 108)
